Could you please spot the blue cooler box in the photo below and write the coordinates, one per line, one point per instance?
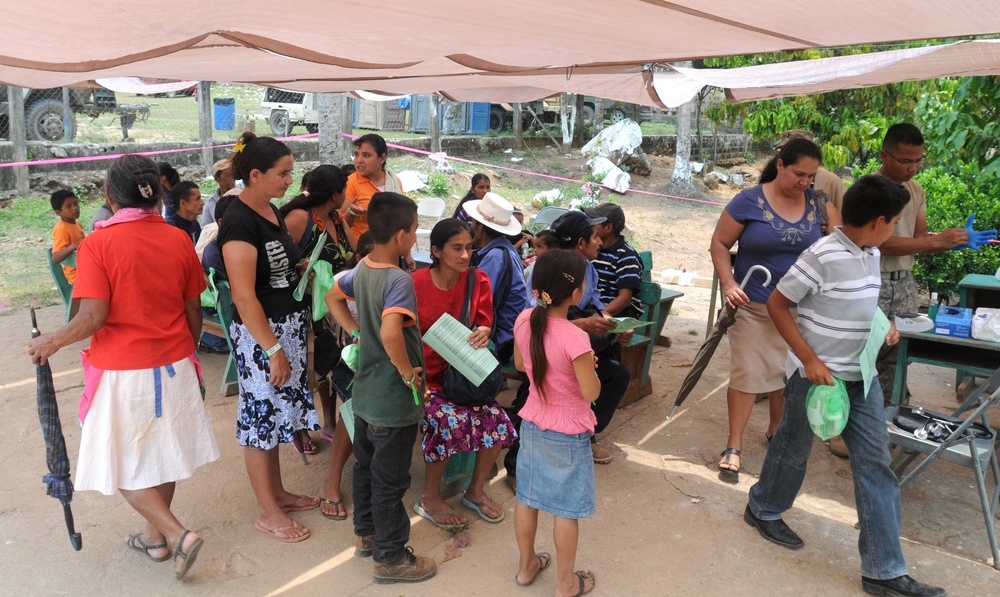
(953, 321)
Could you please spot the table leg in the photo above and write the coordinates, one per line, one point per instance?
(899, 383)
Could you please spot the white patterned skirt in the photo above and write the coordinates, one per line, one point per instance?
(145, 427)
(267, 415)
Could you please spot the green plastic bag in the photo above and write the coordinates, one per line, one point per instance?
(210, 296)
(827, 408)
(322, 282)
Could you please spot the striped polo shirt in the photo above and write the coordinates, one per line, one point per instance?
(619, 266)
(835, 284)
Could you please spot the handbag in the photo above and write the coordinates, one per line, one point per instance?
(458, 389)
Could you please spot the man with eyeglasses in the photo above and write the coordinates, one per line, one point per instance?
(902, 154)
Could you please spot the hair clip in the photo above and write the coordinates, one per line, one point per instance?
(542, 299)
(145, 190)
(571, 279)
(240, 146)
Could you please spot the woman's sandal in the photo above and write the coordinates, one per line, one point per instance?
(544, 559)
(583, 576)
(135, 543)
(728, 472)
(336, 506)
(187, 558)
(309, 449)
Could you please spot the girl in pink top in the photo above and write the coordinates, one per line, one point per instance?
(555, 467)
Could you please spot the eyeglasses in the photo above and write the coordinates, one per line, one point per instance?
(907, 163)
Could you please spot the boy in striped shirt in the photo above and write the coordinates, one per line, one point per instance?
(836, 285)
(619, 267)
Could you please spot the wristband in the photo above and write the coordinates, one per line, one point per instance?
(353, 213)
(270, 352)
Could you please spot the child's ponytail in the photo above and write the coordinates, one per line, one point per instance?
(557, 275)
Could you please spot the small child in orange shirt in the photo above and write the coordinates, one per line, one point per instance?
(67, 233)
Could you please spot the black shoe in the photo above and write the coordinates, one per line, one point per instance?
(209, 348)
(901, 586)
(775, 531)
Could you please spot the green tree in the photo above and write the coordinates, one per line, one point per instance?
(961, 123)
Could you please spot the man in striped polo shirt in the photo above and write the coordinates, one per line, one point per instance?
(836, 285)
(619, 268)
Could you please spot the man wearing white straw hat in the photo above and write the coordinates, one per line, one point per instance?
(492, 221)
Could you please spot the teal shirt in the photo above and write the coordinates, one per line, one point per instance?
(379, 395)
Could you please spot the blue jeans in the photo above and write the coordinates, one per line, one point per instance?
(876, 489)
(381, 477)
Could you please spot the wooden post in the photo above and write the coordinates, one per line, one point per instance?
(578, 133)
(564, 120)
(67, 116)
(518, 135)
(434, 129)
(347, 126)
(205, 125)
(18, 136)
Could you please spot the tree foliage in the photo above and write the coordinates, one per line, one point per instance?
(849, 124)
(961, 123)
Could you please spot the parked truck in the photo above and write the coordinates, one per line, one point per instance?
(43, 111)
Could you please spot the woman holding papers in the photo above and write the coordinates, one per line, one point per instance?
(449, 428)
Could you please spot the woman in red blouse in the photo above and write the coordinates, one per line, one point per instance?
(450, 428)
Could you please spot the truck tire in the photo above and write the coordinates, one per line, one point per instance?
(44, 121)
(278, 120)
(500, 120)
(588, 114)
(617, 115)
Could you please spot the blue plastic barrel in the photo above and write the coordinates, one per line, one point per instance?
(224, 113)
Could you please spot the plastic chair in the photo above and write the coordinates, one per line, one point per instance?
(544, 218)
(961, 447)
(62, 284)
(224, 309)
(430, 207)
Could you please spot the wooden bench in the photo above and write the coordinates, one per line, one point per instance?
(218, 325)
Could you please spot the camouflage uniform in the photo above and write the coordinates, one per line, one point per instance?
(895, 296)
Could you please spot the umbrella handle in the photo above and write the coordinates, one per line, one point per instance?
(756, 268)
(74, 538)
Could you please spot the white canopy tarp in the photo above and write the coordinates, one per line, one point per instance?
(501, 50)
(806, 77)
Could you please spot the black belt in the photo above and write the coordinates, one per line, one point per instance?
(896, 275)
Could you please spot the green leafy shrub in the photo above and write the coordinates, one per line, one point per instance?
(950, 200)
(439, 184)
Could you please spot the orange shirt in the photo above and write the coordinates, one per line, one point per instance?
(63, 235)
(146, 284)
(360, 190)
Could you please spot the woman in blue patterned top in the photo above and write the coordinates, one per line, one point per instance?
(773, 222)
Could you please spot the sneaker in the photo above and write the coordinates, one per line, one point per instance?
(838, 447)
(601, 455)
(901, 586)
(363, 545)
(409, 569)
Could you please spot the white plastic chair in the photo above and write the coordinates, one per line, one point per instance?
(544, 218)
(428, 208)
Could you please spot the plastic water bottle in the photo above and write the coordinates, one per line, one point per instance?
(932, 309)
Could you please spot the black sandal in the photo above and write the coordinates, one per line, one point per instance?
(728, 472)
(187, 558)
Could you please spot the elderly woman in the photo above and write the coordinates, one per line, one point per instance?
(773, 222)
(144, 421)
(450, 428)
(268, 331)
(370, 176)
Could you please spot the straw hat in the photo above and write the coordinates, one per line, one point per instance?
(495, 212)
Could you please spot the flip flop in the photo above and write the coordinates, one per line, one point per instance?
(478, 507)
(544, 559)
(299, 445)
(325, 437)
(313, 504)
(274, 532)
(583, 576)
(189, 557)
(335, 505)
(135, 543)
(430, 514)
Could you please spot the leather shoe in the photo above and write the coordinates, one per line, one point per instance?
(901, 586)
(775, 531)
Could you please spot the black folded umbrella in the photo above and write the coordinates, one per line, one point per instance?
(726, 319)
(57, 482)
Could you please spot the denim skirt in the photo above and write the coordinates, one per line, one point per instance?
(555, 472)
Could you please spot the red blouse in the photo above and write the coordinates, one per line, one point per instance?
(432, 302)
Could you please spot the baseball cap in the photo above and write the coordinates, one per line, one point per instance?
(613, 212)
(794, 134)
(574, 225)
(220, 166)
